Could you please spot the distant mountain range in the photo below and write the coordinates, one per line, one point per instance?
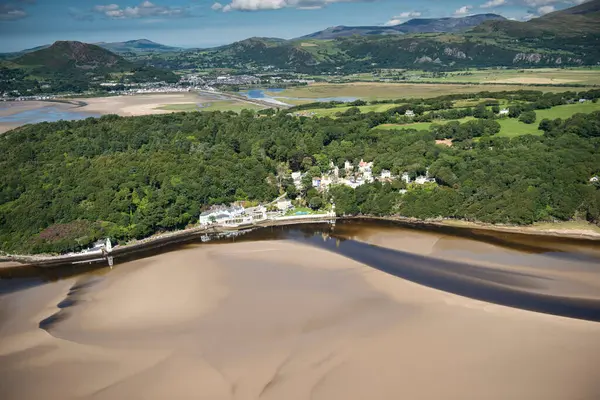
(569, 37)
(137, 46)
(418, 25)
(130, 46)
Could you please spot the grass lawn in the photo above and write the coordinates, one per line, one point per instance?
(180, 107)
(330, 112)
(420, 126)
(376, 90)
(225, 105)
(511, 127)
(567, 110)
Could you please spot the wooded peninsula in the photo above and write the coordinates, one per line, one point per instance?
(66, 184)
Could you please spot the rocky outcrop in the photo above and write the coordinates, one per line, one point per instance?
(455, 53)
(532, 58)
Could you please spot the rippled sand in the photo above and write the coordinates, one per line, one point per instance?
(280, 320)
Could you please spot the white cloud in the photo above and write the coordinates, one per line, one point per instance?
(217, 6)
(493, 3)
(545, 10)
(12, 12)
(464, 10)
(529, 16)
(146, 9)
(398, 19)
(257, 5)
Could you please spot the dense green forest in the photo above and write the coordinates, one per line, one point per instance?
(64, 184)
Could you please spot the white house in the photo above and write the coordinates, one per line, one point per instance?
(326, 181)
(284, 204)
(257, 213)
(409, 113)
(364, 166)
(297, 178)
(348, 166)
(385, 174)
(220, 214)
(504, 111)
(405, 177)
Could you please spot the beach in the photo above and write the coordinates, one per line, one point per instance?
(279, 319)
(141, 104)
(17, 113)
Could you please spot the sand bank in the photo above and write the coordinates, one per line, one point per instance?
(279, 320)
(142, 104)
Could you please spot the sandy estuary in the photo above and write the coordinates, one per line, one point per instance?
(365, 310)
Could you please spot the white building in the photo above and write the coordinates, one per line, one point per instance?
(504, 111)
(284, 204)
(219, 215)
(405, 177)
(364, 166)
(409, 113)
(257, 213)
(297, 178)
(326, 181)
(348, 166)
(385, 174)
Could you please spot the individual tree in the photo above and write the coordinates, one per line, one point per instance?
(528, 117)
(315, 202)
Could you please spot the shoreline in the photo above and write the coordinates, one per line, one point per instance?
(166, 238)
(532, 230)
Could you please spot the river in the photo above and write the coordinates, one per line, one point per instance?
(362, 309)
(516, 270)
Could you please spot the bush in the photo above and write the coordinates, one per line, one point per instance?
(315, 203)
(528, 117)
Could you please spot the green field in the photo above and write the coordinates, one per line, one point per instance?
(180, 107)
(510, 127)
(379, 91)
(420, 126)
(513, 127)
(540, 76)
(220, 105)
(330, 112)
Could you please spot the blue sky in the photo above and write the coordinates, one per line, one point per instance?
(207, 23)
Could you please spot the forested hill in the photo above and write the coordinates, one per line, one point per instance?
(72, 66)
(65, 184)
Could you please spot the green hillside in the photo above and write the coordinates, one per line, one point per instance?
(569, 37)
(68, 66)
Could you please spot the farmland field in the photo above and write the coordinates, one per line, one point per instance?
(379, 91)
(218, 105)
(510, 127)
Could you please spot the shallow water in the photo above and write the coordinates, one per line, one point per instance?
(260, 94)
(45, 114)
(545, 274)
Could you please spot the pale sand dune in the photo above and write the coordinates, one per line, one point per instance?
(279, 320)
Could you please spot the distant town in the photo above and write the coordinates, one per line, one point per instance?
(187, 83)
